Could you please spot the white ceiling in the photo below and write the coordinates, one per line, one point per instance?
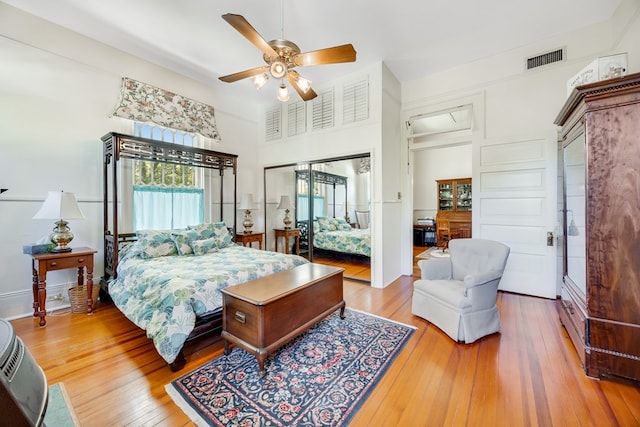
(413, 38)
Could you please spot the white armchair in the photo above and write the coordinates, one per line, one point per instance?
(459, 294)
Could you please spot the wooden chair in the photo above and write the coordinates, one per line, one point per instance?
(443, 228)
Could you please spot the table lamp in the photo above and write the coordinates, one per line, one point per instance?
(246, 204)
(285, 203)
(60, 206)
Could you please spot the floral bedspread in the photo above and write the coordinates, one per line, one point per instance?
(354, 241)
(163, 295)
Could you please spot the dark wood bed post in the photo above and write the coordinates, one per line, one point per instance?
(235, 191)
(105, 186)
(235, 201)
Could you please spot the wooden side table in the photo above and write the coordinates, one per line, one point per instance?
(286, 233)
(248, 238)
(80, 258)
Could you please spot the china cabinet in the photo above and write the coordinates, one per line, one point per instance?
(454, 209)
(599, 304)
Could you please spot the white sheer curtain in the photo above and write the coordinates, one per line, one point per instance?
(303, 207)
(161, 208)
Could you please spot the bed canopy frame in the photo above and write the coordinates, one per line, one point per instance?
(321, 178)
(119, 146)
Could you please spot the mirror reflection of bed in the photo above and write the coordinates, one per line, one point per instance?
(327, 194)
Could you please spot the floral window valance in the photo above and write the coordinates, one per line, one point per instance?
(146, 103)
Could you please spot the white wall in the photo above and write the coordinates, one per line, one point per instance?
(57, 91)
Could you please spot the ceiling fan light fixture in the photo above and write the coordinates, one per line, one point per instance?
(260, 80)
(283, 93)
(278, 69)
(303, 84)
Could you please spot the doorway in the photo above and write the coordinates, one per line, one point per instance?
(514, 194)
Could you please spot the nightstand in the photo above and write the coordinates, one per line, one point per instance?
(80, 258)
(287, 233)
(248, 238)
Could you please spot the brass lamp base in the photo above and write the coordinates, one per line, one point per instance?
(287, 221)
(248, 222)
(61, 237)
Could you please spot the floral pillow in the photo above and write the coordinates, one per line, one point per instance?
(182, 239)
(128, 250)
(326, 224)
(342, 224)
(155, 243)
(206, 246)
(213, 230)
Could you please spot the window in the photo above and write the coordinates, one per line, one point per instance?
(356, 102)
(454, 121)
(323, 110)
(273, 125)
(302, 213)
(296, 118)
(165, 195)
(319, 205)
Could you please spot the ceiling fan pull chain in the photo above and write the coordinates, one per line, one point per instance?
(282, 19)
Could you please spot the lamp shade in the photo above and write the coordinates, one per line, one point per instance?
(283, 93)
(285, 203)
(59, 205)
(246, 202)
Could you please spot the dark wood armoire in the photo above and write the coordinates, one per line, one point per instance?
(600, 299)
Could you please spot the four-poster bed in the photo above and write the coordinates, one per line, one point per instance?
(168, 282)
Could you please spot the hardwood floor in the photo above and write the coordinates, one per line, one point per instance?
(527, 375)
(356, 268)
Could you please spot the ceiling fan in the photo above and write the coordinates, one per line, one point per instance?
(281, 57)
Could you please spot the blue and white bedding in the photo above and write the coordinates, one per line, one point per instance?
(335, 234)
(162, 291)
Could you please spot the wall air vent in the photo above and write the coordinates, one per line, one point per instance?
(545, 59)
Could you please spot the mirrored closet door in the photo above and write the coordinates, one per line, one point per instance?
(321, 211)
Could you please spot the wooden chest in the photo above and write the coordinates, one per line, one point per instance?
(263, 314)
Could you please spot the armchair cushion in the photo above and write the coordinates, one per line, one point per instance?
(433, 269)
(450, 292)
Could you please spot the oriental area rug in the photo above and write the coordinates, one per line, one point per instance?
(322, 377)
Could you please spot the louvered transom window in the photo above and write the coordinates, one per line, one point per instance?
(273, 124)
(296, 118)
(323, 110)
(356, 102)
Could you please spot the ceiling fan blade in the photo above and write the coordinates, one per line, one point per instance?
(243, 27)
(306, 96)
(330, 55)
(244, 74)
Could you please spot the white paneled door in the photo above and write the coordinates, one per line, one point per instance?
(515, 202)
